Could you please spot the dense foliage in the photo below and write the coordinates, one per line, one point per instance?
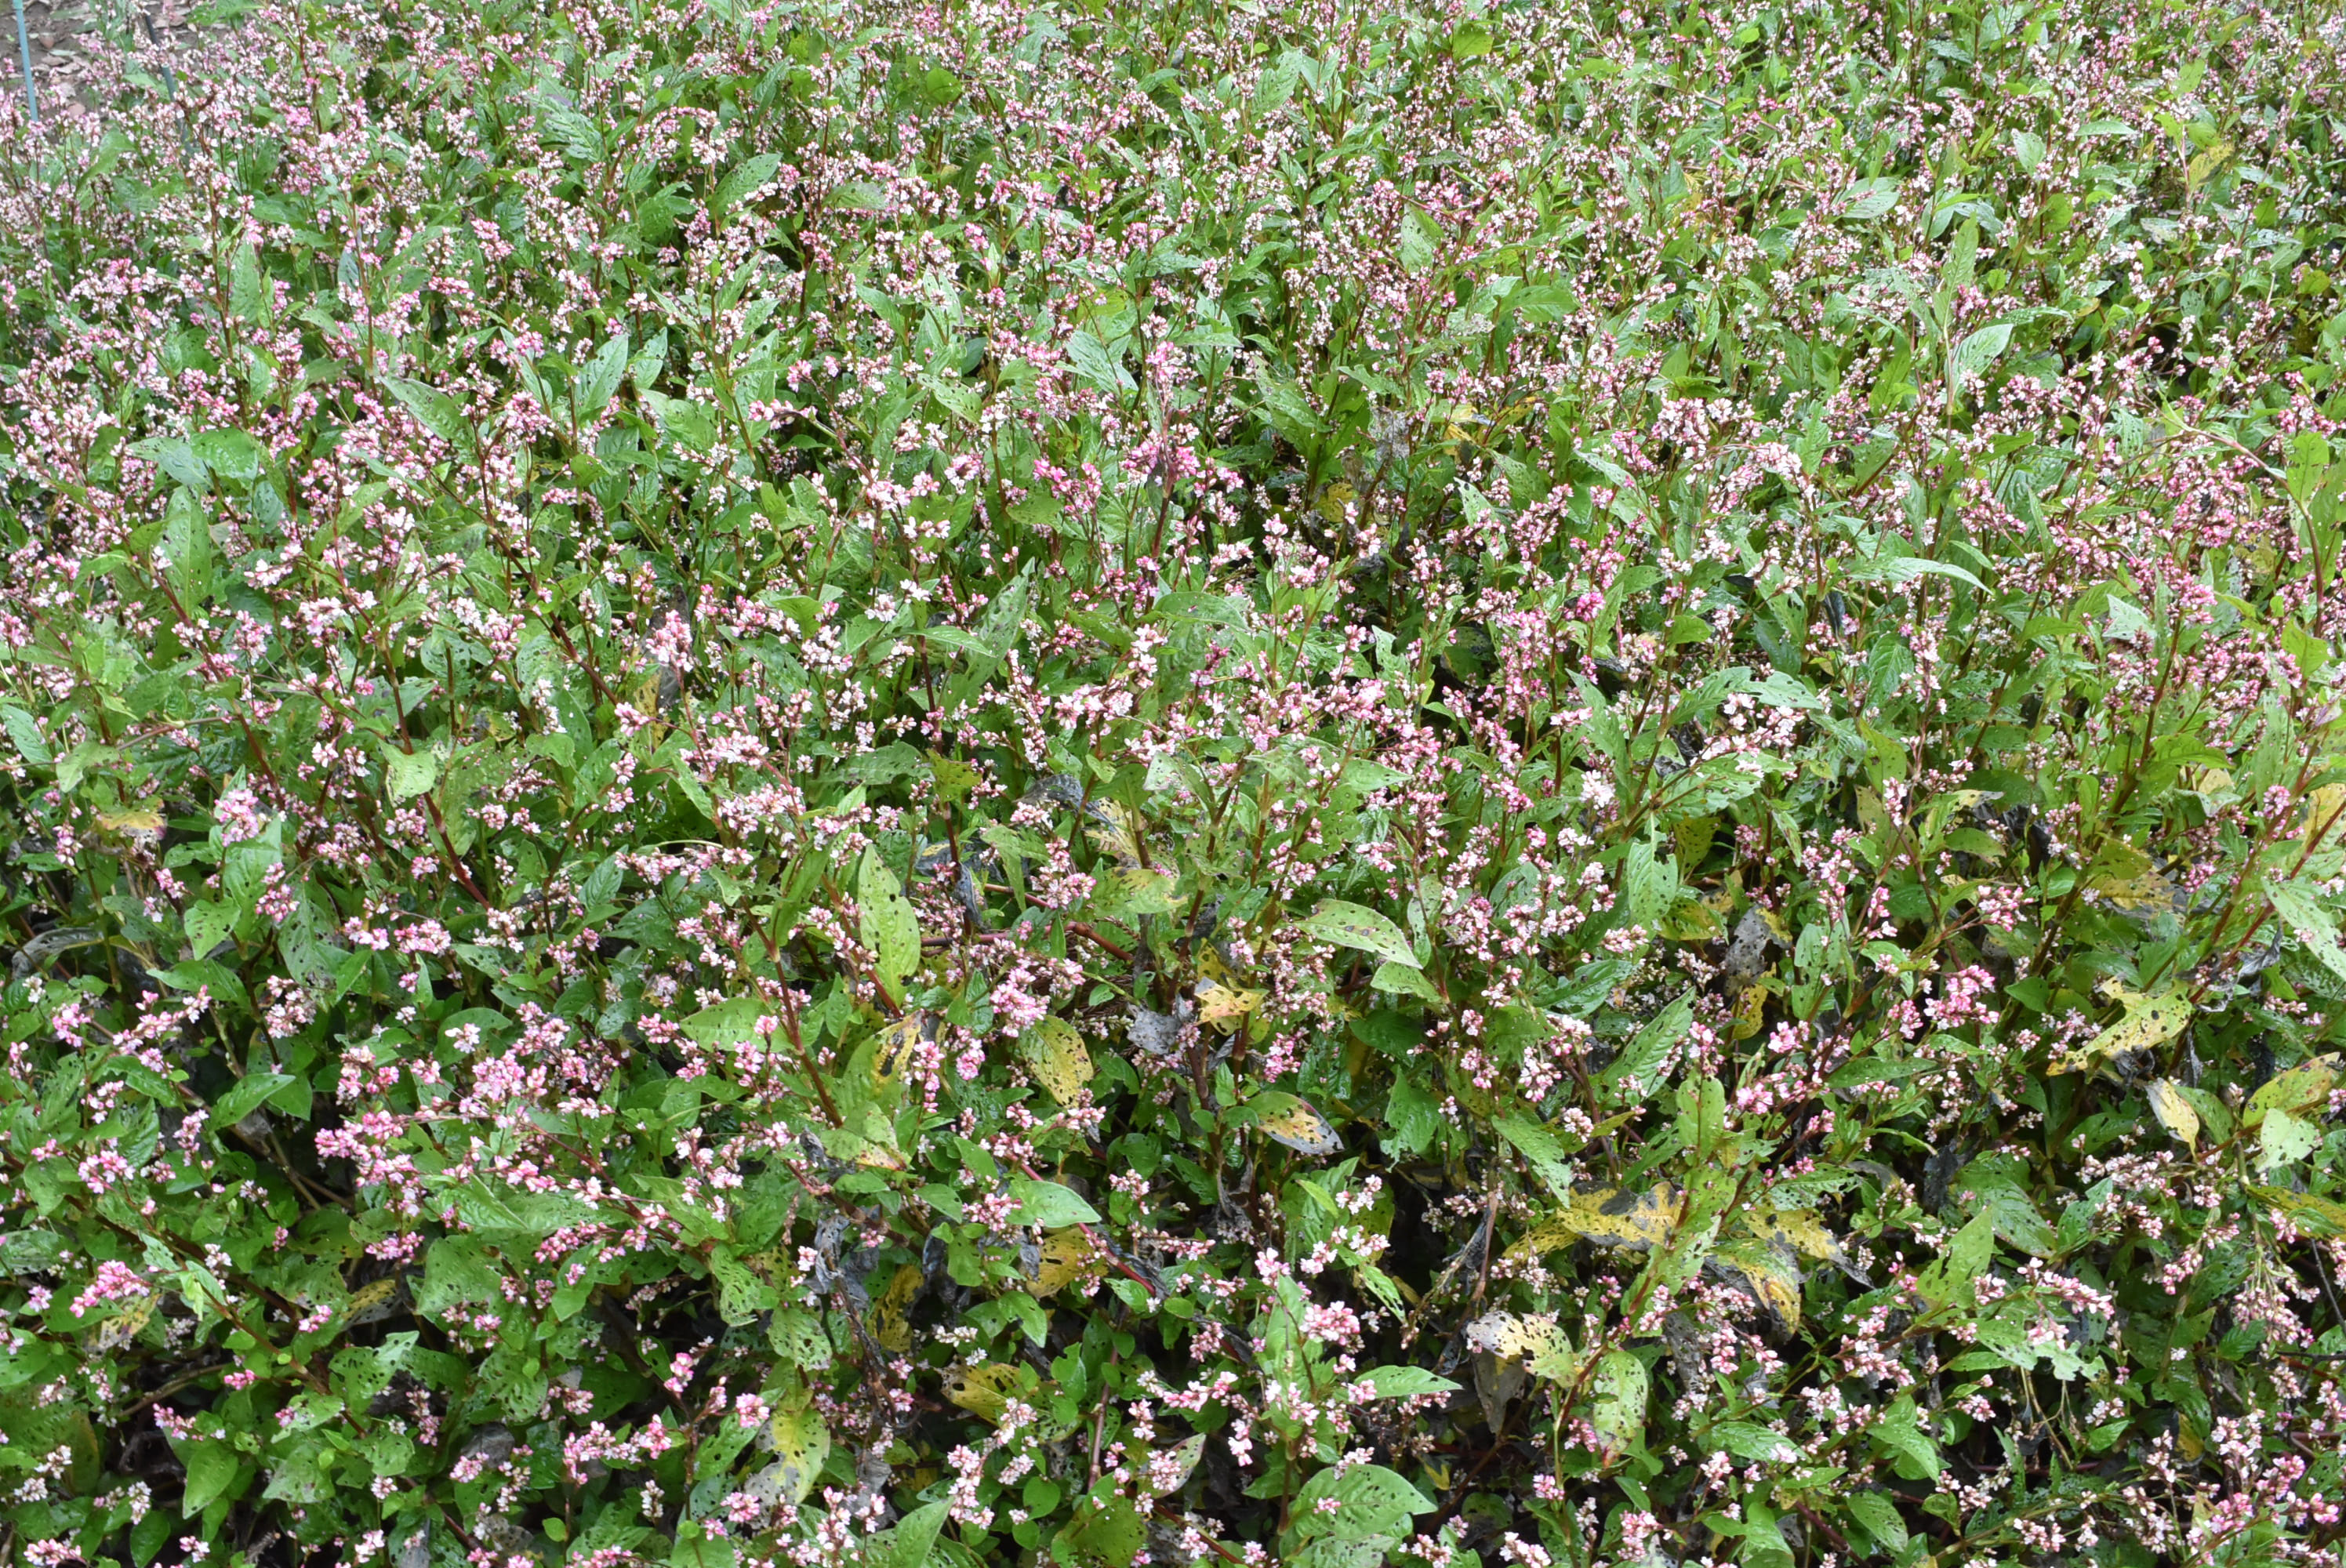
(1178, 782)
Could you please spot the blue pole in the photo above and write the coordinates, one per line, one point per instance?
(25, 54)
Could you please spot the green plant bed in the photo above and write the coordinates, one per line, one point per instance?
(1324, 785)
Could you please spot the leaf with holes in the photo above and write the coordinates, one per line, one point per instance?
(983, 1391)
(2149, 1022)
(1294, 1121)
(1611, 1216)
(889, 1319)
(1620, 1388)
(1226, 1006)
(2311, 923)
(887, 923)
(1538, 1342)
(1055, 1053)
(2305, 1088)
(1066, 1256)
(1364, 930)
(2283, 1138)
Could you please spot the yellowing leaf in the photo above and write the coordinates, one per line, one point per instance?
(1769, 1273)
(1120, 838)
(2304, 1088)
(2325, 814)
(1751, 1012)
(983, 1391)
(1334, 500)
(133, 822)
(1799, 1230)
(124, 1327)
(2145, 893)
(2198, 171)
(896, 1041)
(2214, 783)
(889, 1320)
(1055, 1054)
(1609, 1217)
(369, 1298)
(1621, 1387)
(2175, 1113)
(1292, 1120)
(2150, 1021)
(1538, 1342)
(801, 1443)
(1547, 1235)
(1133, 890)
(1225, 1006)
(2309, 1212)
(1068, 1255)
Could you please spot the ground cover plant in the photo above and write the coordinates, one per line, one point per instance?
(1173, 783)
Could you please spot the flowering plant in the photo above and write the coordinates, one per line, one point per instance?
(871, 783)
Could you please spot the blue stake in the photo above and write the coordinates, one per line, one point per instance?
(24, 54)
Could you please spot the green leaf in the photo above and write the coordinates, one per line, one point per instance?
(1049, 1205)
(248, 291)
(1369, 1499)
(1420, 241)
(247, 1096)
(1102, 1534)
(25, 734)
(730, 1023)
(1643, 1055)
(2283, 1138)
(599, 382)
(1542, 1148)
(435, 411)
(456, 1272)
(207, 925)
(1353, 926)
(510, 1211)
(1900, 570)
(1405, 1382)
(1403, 979)
(1471, 40)
(2309, 923)
(888, 923)
(1619, 1388)
(231, 453)
(741, 179)
(407, 774)
(1968, 1252)
(1749, 1441)
(1879, 1518)
(1869, 199)
(1978, 351)
(211, 1469)
(1901, 1435)
(908, 1544)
